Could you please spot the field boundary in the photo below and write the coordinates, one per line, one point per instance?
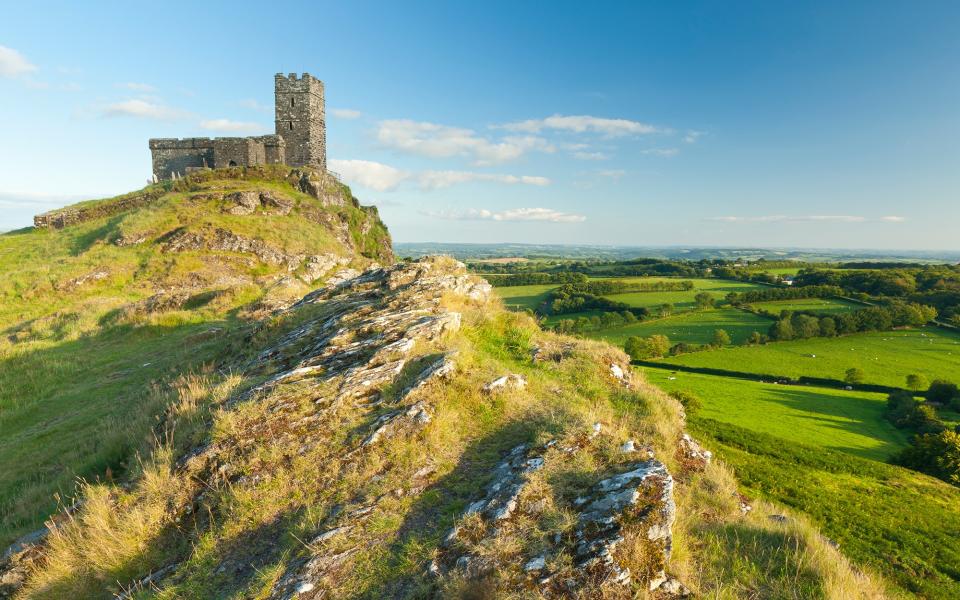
(780, 379)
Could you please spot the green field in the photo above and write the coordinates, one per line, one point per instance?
(692, 327)
(851, 422)
(530, 296)
(886, 357)
(817, 305)
(821, 451)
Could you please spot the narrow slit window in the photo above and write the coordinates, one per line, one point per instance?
(291, 125)
(291, 101)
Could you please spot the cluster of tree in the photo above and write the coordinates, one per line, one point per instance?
(935, 285)
(514, 279)
(934, 448)
(605, 320)
(783, 293)
(802, 325)
(656, 346)
(576, 297)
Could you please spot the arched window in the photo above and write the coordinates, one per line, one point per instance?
(233, 163)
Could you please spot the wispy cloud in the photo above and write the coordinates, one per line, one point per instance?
(442, 141)
(231, 126)
(255, 105)
(13, 64)
(144, 109)
(803, 218)
(691, 136)
(665, 152)
(590, 155)
(369, 174)
(582, 124)
(137, 87)
(611, 173)
(433, 180)
(547, 215)
(384, 178)
(40, 201)
(346, 113)
(893, 219)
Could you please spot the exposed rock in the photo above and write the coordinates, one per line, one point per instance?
(692, 455)
(221, 240)
(245, 202)
(98, 274)
(275, 204)
(317, 266)
(17, 560)
(506, 382)
(644, 494)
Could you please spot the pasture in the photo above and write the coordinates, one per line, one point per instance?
(530, 296)
(691, 327)
(850, 422)
(816, 305)
(885, 357)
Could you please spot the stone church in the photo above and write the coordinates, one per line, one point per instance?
(300, 138)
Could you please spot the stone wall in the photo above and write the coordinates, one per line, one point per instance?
(300, 119)
(238, 152)
(172, 155)
(274, 149)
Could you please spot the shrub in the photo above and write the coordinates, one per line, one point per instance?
(854, 375)
(942, 392)
(916, 382)
(936, 454)
(721, 337)
(640, 348)
(691, 403)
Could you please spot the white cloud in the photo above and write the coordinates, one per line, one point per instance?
(665, 152)
(582, 124)
(803, 218)
(893, 219)
(254, 105)
(12, 63)
(692, 136)
(612, 173)
(590, 156)
(384, 178)
(142, 109)
(40, 200)
(346, 113)
(370, 174)
(441, 141)
(137, 87)
(433, 180)
(231, 126)
(514, 214)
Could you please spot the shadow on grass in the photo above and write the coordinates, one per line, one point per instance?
(853, 415)
(104, 233)
(761, 563)
(82, 408)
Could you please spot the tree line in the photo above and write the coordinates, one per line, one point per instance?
(806, 324)
(934, 448)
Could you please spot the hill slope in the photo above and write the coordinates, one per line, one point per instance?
(394, 433)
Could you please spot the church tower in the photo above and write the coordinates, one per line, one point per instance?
(300, 119)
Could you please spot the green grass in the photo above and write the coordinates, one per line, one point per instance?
(904, 525)
(80, 368)
(817, 305)
(694, 327)
(530, 296)
(886, 358)
(851, 422)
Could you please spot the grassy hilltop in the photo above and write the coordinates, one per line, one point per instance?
(198, 422)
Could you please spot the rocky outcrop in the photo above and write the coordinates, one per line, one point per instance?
(222, 240)
(248, 201)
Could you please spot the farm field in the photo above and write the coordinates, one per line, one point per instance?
(530, 296)
(817, 305)
(886, 357)
(692, 327)
(522, 297)
(872, 510)
(850, 422)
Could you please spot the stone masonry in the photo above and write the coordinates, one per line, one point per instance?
(300, 138)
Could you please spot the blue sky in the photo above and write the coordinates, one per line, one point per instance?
(815, 124)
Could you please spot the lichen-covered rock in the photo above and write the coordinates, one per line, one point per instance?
(513, 381)
(692, 455)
